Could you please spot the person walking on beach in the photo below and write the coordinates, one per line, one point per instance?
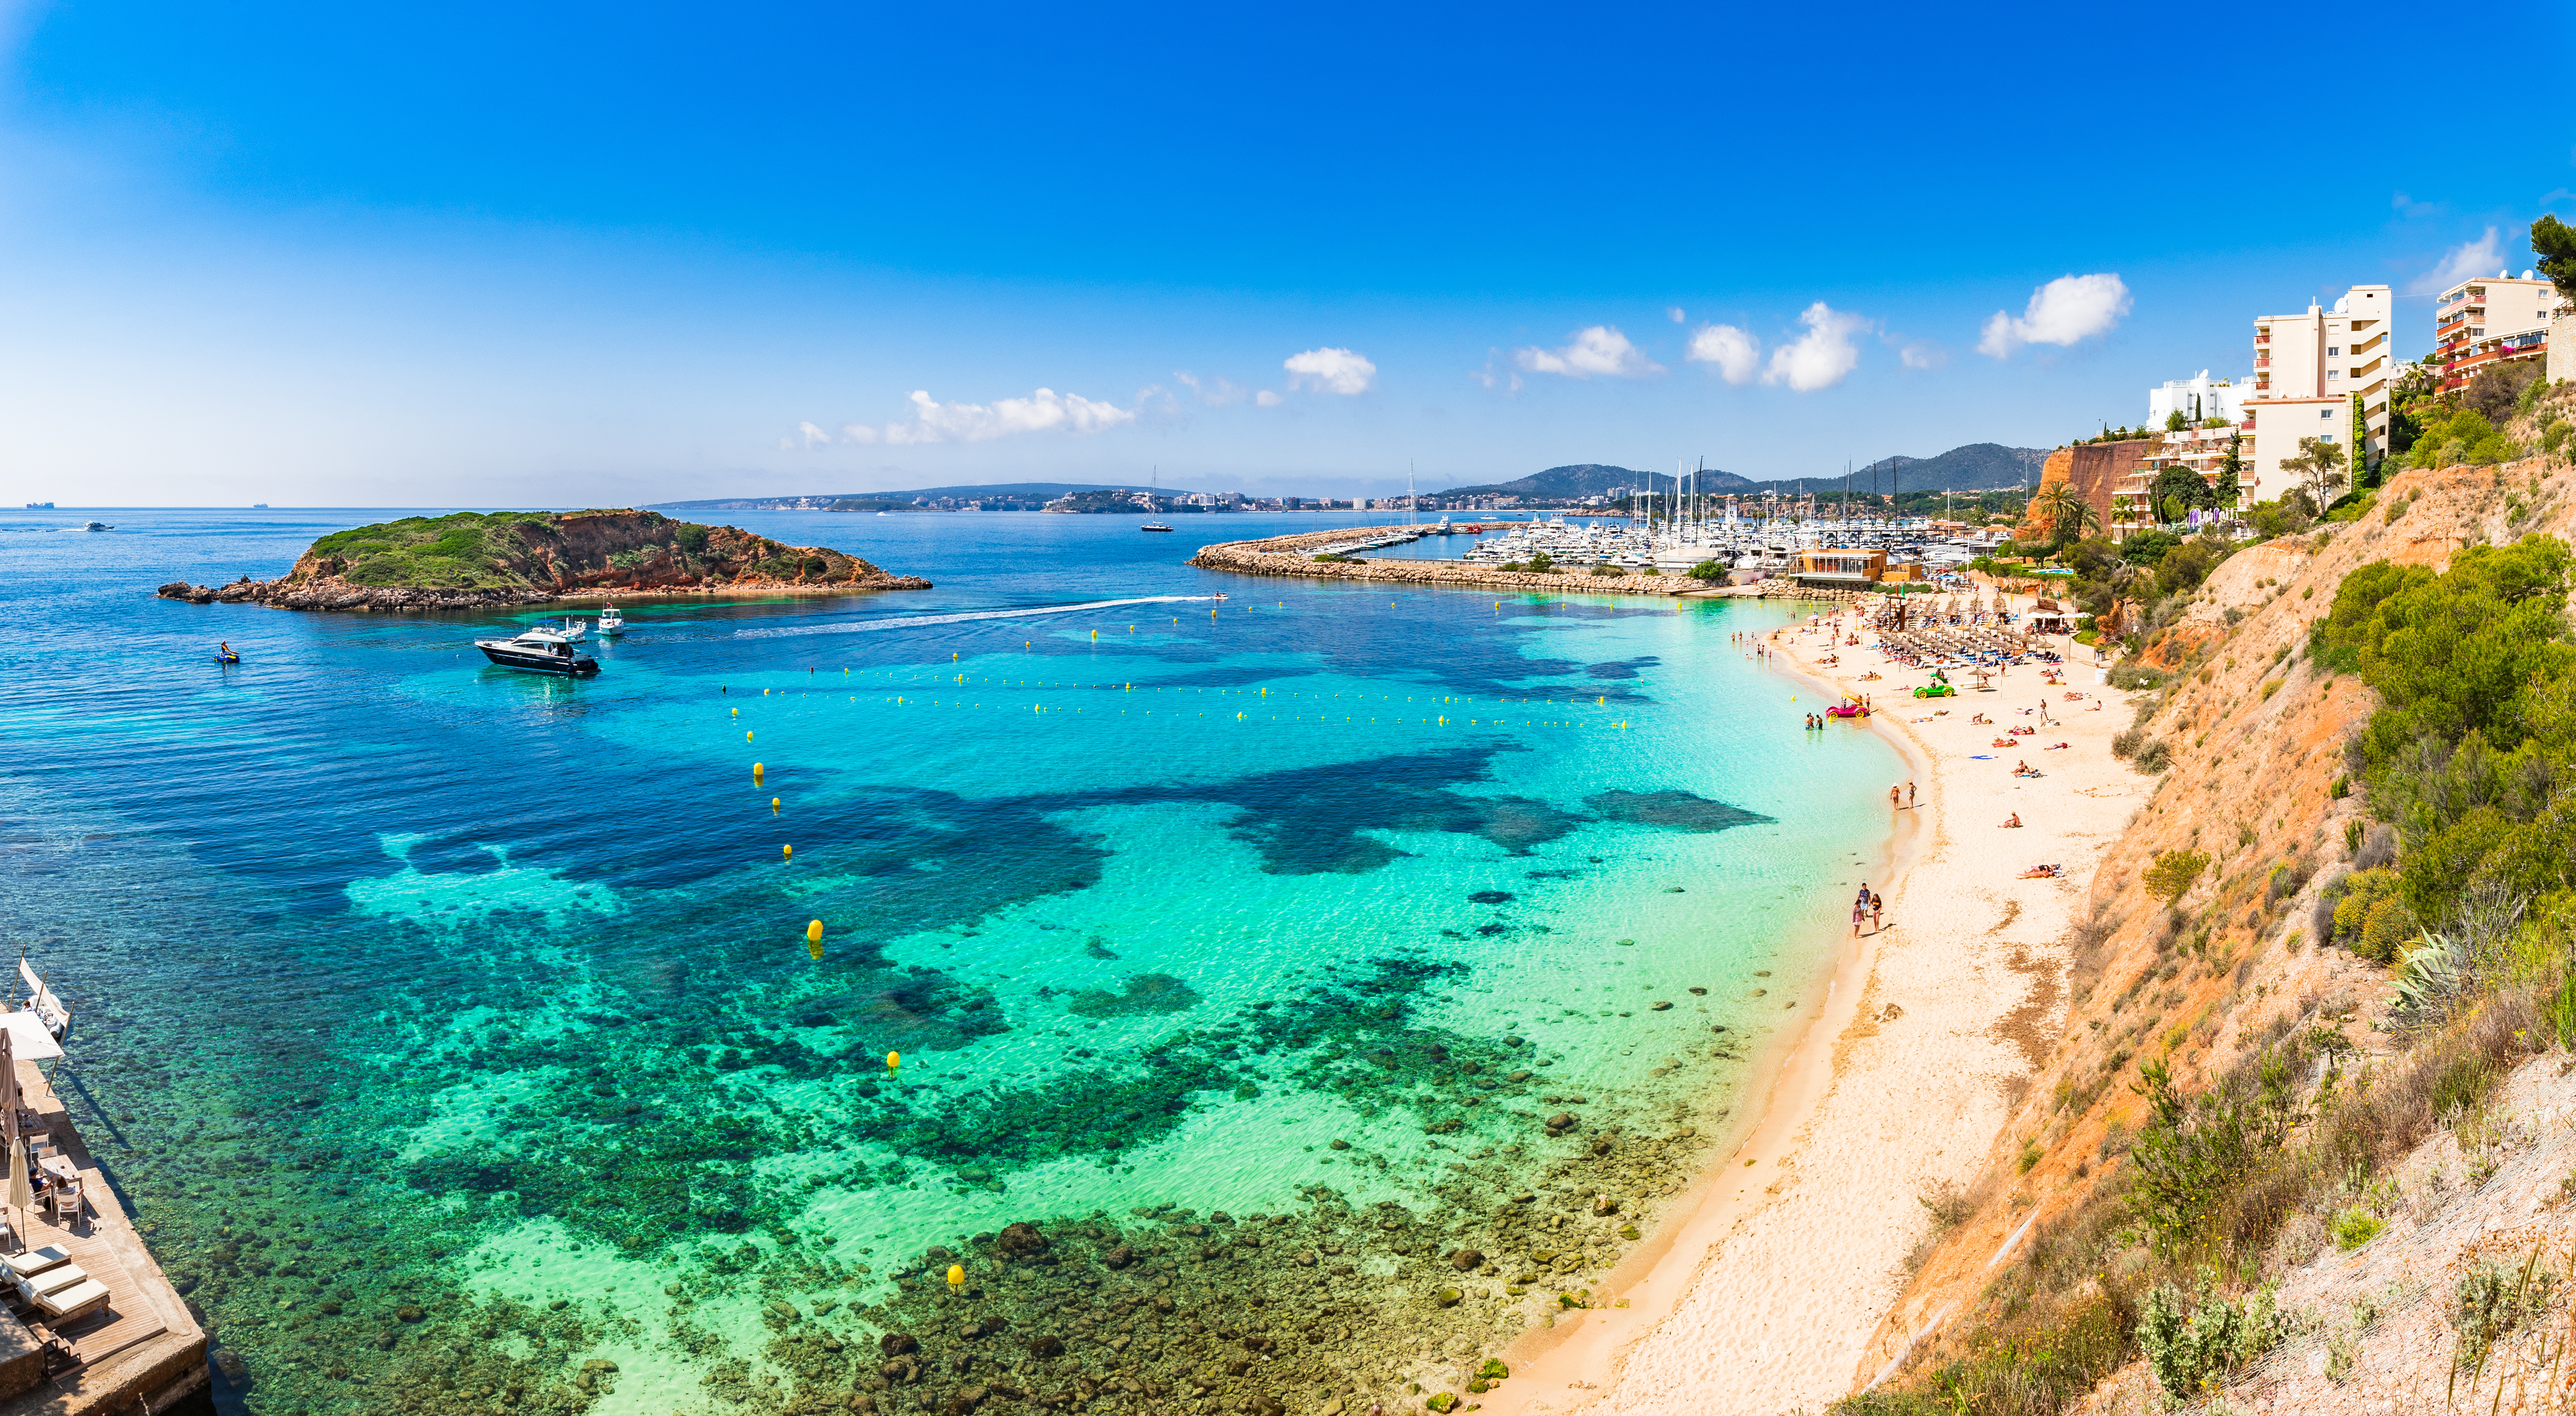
(1875, 905)
(1896, 798)
(1909, 794)
(1860, 911)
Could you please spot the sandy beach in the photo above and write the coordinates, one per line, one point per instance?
(1766, 1283)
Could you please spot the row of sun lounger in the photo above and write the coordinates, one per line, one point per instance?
(48, 1281)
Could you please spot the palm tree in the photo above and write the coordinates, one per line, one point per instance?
(2069, 515)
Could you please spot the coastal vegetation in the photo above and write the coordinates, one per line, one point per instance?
(2221, 1165)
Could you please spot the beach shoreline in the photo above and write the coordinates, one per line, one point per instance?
(1772, 1272)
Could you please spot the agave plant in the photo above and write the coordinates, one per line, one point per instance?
(2428, 973)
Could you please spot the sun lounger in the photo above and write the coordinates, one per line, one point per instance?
(53, 1280)
(29, 1264)
(73, 1301)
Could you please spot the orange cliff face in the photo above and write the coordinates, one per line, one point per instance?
(2096, 470)
(2036, 525)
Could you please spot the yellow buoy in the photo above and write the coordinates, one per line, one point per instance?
(814, 932)
(956, 1275)
(893, 1060)
(787, 852)
(1095, 636)
(773, 806)
(746, 735)
(755, 774)
(737, 712)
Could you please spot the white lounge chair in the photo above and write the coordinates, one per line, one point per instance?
(34, 1262)
(53, 1280)
(71, 1302)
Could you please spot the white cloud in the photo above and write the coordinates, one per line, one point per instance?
(2470, 258)
(1330, 370)
(2066, 309)
(1212, 391)
(1923, 354)
(1267, 399)
(1674, 313)
(1602, 349)
(1820, 357)
(813, 436)
(858, 433)
(1736, 353)
(1044, 411)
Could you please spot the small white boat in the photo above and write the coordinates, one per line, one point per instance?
(611, 622)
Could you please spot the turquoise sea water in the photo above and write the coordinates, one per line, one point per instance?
(449, 1028)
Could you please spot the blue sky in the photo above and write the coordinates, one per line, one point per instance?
(312, 254)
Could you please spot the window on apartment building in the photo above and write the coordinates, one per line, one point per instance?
(2334, 373)
(2332, 351)
(2325, 412)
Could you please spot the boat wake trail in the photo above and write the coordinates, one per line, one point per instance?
(917, 621)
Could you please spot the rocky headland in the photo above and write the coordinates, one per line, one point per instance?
(474, 560)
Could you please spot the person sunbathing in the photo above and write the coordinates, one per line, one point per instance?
(2012, 822)
(2042, 872)
(2054, 746)
(2022, 769)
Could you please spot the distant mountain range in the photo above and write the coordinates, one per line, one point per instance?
(1975, 467)
(1033, 494)
(1588, 479)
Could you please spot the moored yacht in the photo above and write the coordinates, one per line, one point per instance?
(610, 621)
(539, 651)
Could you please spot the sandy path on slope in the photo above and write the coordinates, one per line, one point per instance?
(1766, 1281)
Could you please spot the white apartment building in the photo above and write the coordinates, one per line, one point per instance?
(2487, 321)
(2273, 428)
(2329, 354)
(2197, 398)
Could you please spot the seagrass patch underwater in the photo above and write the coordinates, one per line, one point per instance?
(1288, 1003)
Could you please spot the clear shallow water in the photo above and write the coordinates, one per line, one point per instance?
(410, 985)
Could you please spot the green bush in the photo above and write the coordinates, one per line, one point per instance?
(2192, 1340)
(1708, 570)
(2193, 1150)
(692, 537)
(2354, 1227)
(2359, 898)
(2491, 1301)
(2148, 547)
(1607, 570)
(2128, 677)
(2173, 872)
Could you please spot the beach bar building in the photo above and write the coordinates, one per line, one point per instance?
(1846, 568)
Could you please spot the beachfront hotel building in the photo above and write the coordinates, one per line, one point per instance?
(2321, 355)
(2488, 321)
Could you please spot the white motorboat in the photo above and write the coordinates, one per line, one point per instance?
(539, 651)
(610, 621)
